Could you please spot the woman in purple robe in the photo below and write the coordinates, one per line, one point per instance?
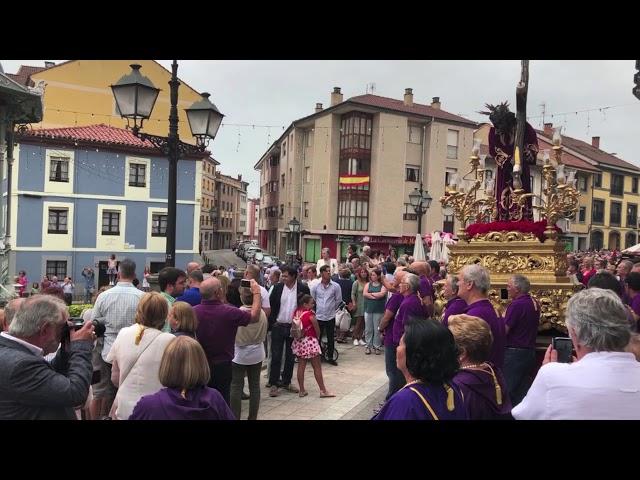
(501, 146)
(486, 396)
(428, 358)
(184, 371)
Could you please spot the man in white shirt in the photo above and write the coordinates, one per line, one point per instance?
(284, 300)
(603, 383)
(327, 260)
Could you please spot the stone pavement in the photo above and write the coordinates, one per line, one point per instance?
(359, 383)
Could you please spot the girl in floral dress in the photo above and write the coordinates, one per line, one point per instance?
(308, 347)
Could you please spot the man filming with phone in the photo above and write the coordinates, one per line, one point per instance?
(30, 387)
(603, 382)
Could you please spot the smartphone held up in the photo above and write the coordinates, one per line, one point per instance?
(564, 347)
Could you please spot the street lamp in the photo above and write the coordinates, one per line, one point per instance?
(420, 201)
(135, 97)
(294, 228)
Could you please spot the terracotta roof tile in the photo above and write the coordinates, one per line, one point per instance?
(593, 153)
(416, 108)
(23, 76)
(93, 133)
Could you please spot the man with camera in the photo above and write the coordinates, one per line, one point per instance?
(30, 387)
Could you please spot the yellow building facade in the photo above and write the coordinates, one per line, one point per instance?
(78, 93)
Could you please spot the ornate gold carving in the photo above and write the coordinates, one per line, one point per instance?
(503, 237)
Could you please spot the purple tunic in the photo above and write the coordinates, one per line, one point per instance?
(503, 155)
(406, 404)
(486, 312)
(202, 403)
(480, 397)
(455, 306)
(392, 305)
(425, 288)
(411, 306)
(522, 317)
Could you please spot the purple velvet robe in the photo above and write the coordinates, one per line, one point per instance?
(503, 156)
(480, 397)
(202, 403)
(484, 310)
(405, 404)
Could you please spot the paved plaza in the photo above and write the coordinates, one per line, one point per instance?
(359, 383)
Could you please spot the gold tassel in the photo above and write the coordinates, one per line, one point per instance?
(497, 385)
(450, 400)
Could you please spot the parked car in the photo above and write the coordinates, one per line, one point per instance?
(250, 252)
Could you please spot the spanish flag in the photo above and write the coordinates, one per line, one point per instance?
(354, 180)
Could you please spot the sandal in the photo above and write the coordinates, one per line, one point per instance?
(303, 393)
(326, 394)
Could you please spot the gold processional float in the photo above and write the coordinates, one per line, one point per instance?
(511, 247)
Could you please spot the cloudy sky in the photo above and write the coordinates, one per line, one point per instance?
(277, 92)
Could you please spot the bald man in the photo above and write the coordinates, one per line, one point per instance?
(426, 290)
(191, 266)
(218, 324)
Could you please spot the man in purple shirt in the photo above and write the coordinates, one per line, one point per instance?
(455, 305)
(411, 305)
(396, 378)
(425, 289)
(218, 324)
(521, 322)
(624, 269)
(473, 285)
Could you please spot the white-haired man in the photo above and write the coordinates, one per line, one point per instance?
(473, 286)
(603, 383)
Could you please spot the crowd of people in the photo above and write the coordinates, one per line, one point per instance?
(187, 351)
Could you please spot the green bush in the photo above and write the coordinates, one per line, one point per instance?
(76, 310)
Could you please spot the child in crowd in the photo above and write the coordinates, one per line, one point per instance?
(183, 320)
(35, 288)
(308, 347)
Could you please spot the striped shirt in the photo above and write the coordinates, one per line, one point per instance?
(116, 308)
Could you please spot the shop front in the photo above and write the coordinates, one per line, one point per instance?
(338, 245)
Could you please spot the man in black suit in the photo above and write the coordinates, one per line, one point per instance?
(30, 387)
(284, 301)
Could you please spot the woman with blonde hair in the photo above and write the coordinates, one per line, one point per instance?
(136, 354)
(486, 396)
(182, 319)
(184, 372)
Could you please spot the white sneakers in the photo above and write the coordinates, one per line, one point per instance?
(355, 343)
(362, 343)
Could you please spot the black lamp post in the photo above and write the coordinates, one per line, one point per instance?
(294, 228)
(135, 97)
(420, 201)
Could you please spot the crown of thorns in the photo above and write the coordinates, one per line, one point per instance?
(498, 113)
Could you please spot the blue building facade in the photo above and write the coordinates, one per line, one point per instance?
(82, 194)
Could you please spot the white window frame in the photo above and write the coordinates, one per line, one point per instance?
(137, 193)
(110, 242)
(415, 130)
(59, 187)
(412, 167)
(453, 140)
(57, 241)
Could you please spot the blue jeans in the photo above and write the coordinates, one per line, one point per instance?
(518, 362)
(396, 378)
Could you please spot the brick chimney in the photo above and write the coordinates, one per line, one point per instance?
(240, 177)
(435, 103)
(595, 142)
(408, 97)
(548, 129)
(336, 96)
(318, 107)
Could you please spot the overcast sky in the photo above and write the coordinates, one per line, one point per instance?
(277, 92)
